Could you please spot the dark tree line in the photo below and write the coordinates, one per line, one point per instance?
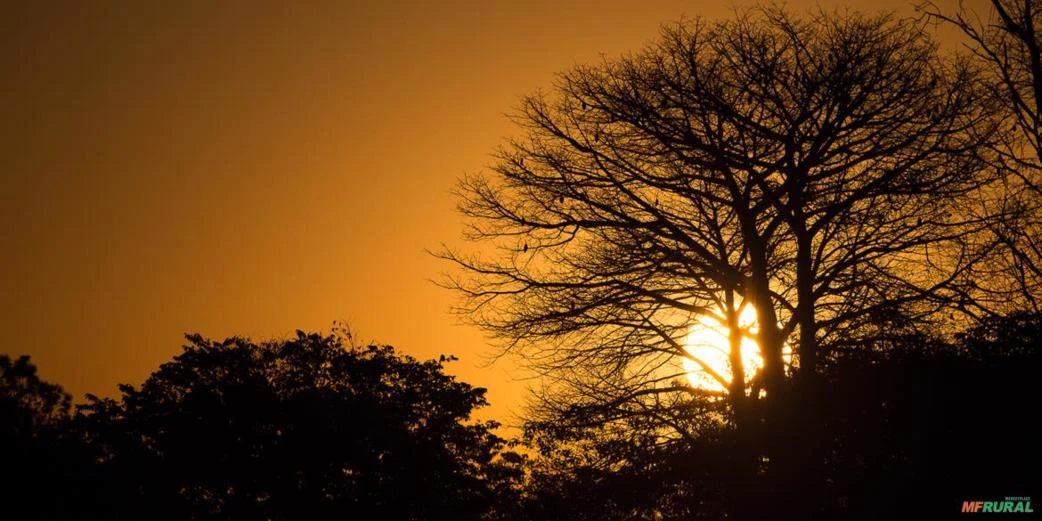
(915, 425)
(313, 428)
(305, 428)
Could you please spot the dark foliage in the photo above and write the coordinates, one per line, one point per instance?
(43, 468)
(306, 428)
(913, 425)
(926, 424)
(27, 403)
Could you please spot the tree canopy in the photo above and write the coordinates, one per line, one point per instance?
(312, 426)
(821, 169)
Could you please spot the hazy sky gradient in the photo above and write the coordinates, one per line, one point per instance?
(240, 168)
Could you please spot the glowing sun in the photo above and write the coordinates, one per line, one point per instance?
(707, 340)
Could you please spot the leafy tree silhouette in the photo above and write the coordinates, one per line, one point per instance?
(913, 425)
(306, 428)
(917, 424)
(28, 404)
(45, 471)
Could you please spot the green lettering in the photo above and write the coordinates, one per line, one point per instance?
(988, 506)
(1019, 507)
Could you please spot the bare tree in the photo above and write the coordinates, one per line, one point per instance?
(1007, 41)
(814, 168)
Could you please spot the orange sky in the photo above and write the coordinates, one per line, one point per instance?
(238, 168)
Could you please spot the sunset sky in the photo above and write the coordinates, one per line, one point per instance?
(247, 169)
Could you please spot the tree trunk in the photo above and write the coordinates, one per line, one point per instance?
(803, 464)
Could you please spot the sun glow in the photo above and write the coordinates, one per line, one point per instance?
(707, 341)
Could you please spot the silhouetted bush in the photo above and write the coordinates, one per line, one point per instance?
(305, 428)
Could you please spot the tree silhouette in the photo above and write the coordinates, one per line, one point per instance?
(1007, 42)
(914, 425)
(310, 427)
(28, 404)
(45, 473)
(818, 169)
(603, 472)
